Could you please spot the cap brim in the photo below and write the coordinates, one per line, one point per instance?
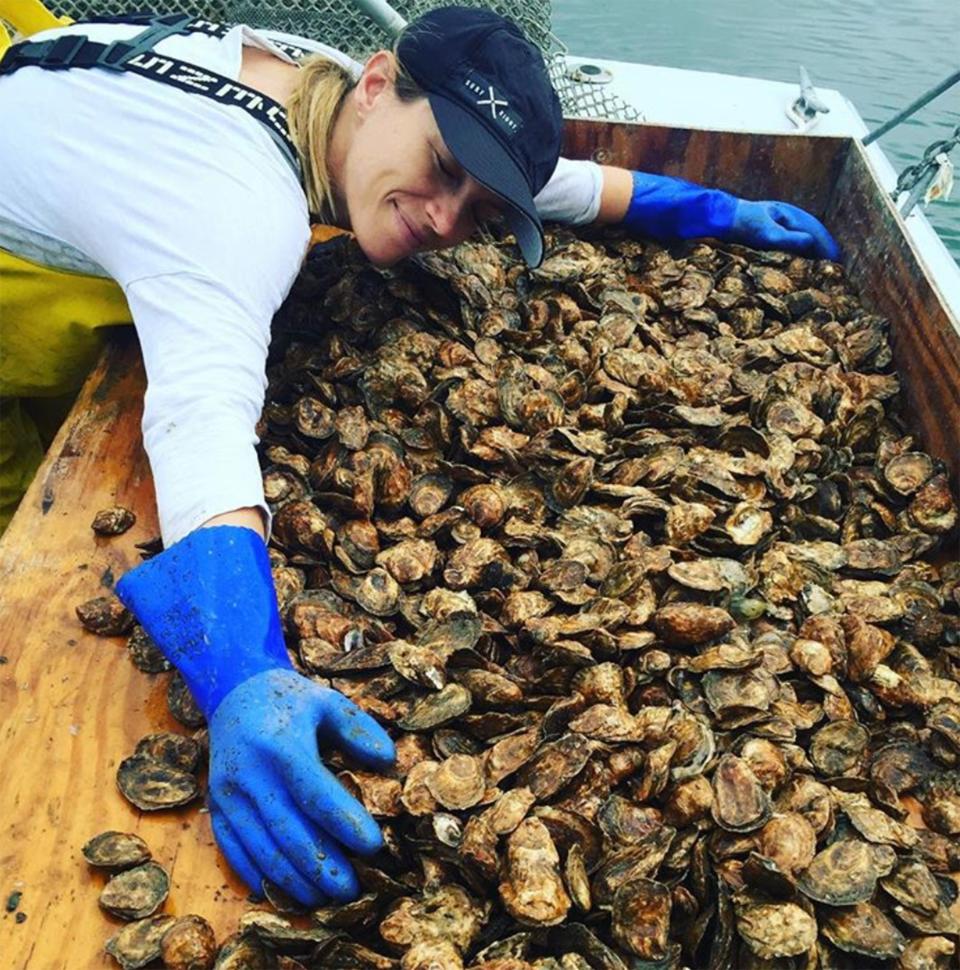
(490, 164)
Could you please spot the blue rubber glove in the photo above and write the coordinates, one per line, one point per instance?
(277, 812)
(669, 208)
(779, 225)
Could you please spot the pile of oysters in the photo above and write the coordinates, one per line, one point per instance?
(637, 560)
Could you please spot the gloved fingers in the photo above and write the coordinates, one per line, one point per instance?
(324, 800)
(265, 855)
(792, 241)
(355, 731)
(799, 220)
(311, 851)
(235, 853)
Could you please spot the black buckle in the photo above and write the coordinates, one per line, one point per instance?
(116, 54)
(172, 20)
(63, 51)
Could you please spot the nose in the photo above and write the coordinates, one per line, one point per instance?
(446, 210)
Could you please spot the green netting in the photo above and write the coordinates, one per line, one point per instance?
(344, 26)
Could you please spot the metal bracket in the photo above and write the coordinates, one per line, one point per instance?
(589, 74)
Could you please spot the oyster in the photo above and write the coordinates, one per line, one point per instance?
(137, 944)
(532, 890)
(189, 944)
(116, 851)
(776, 930)
(106, 616)
(846, 872)
(113, 521)
(161, 773)
(136, 893)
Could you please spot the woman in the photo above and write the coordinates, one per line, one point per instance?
(157, 154)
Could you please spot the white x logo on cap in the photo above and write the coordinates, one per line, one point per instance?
(493, 101)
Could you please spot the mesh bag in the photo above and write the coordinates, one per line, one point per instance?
(342, 25)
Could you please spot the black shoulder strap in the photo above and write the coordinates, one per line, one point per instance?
(138, 57)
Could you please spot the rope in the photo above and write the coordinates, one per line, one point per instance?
(913, 108)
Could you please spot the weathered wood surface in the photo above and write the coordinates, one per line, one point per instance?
(793, 168)
(831, 178)
(886, 270)
(72, 705)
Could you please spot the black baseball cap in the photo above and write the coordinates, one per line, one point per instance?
(494, 105)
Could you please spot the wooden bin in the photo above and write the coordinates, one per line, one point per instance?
(72, 705)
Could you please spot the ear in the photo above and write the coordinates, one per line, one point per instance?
(376, 82)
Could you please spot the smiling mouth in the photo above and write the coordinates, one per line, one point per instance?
(418, 238)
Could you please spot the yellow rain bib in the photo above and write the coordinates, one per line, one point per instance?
(50, 336)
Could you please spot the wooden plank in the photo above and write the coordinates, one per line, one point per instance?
(73, 704)
(886, 269)
(792, 168)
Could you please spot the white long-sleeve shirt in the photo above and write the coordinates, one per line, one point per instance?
(190, 207)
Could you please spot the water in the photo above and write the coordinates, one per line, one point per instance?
(882, 54)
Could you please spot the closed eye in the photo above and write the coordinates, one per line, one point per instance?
(443, 168)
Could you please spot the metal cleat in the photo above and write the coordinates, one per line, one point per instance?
(805, 111)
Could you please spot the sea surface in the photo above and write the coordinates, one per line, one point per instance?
(882, 54)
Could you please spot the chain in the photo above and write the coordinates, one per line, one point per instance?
(912, 175)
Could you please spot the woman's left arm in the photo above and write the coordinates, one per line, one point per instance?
(669, 208)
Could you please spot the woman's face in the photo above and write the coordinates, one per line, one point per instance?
(402, 190)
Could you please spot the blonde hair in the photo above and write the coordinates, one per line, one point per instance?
(312, 111)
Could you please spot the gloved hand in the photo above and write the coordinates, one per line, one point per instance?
(779, 225)
(277, 813)
(670, 208)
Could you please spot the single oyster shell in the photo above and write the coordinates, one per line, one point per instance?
(927, 953)
(790, 841)
(136, 893)
(740, 803)
(182, 704)
(138, 943)
(416, 796)
(113, 521)
(865, 930)
(145, 654)
(839, 747)
(689, 624)
(458, 782)
(555, 764)
(106, 616)
(379, 593)
(429, 494)
(509, 810)
(189, 945)
(447, 704)
(448, 913)
(913, 885)
(532, 890)
(152, 785)
(776, 930)
(846, 872)
(116, 850)
(641, 918)
(576, 880)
